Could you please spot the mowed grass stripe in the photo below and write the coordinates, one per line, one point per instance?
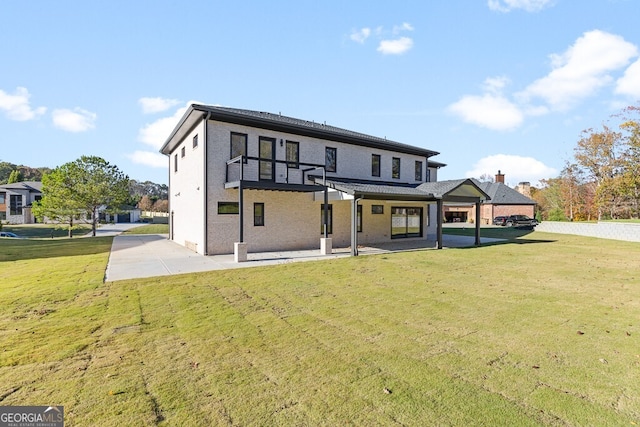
(541, 330)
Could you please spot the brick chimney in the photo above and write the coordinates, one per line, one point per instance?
(500, 177)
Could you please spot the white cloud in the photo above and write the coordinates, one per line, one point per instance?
(515, 168)
(16, 106)
(404, 27)
(156, 105)
(76, 120)
(491, 110)
(395, 47)
(149, 158)
(528, 5)
(629, 83)
(359, 36)
(156, 133)
(581, 70)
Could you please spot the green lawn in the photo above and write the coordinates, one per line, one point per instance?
(149, 229)
(46, 231)
(542, 330)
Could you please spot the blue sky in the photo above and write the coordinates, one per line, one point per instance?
(490, 84)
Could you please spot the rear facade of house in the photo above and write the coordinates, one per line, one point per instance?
(16, 200)
(260, 178)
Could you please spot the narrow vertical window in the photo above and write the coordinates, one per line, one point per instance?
(238, 145)
(395, 168)
(258, 214)
(175, 163)
(329, 219)
(428, 175)
(418, 170)
(195, 141)
(182, 152)
(330, 159)
(293, 154)
(359, 219)
(375, 165)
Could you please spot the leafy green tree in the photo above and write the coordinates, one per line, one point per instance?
(15, 176)
(79, 189)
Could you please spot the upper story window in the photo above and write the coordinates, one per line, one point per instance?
(331, 159)
(195, 141)
(15, 204)
(182, 152)
(293, 154)
(418, 170)
(2, 198)
(428, 179)
(238, 145)
(175, 163)
(395, 168)
(375, 165)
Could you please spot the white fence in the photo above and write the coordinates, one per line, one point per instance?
(604, 230)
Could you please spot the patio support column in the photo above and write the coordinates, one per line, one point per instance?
(439, 225)
(354, 226)
(240, 248)
(241, 211)
(478, 223)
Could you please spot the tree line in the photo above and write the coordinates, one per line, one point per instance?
(602, 179)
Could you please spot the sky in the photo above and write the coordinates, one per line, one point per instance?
(491, 85)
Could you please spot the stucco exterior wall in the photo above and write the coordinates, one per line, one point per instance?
(186, 198)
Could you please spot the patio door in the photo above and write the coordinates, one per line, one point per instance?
(267, 156)
(406, 222)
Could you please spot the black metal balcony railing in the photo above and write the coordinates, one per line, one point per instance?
(254, 169)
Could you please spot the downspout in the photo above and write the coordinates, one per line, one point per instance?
(206, 185)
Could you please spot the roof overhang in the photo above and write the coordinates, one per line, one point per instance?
(451, 191)
(278, 123)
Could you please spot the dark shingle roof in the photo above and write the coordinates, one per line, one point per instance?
(34, 186)
(502, 194)
(280, 123)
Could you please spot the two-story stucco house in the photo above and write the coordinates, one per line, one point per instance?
(16, 200)
(247, 181)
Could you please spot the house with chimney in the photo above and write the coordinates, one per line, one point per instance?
(503, 201)
(244, 181)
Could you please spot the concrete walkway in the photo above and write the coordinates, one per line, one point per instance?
(148, 255)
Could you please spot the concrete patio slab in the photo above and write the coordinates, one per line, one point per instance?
(148, 255)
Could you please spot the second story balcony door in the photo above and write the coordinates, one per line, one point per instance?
(267, 156)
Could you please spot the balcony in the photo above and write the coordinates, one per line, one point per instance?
(269, 174)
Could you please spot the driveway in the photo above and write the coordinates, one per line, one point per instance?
(148, 255)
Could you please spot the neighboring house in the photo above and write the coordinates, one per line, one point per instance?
(503, 201)
(16, 200)
(242, 180)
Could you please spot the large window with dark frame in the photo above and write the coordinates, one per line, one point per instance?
(267, 151)
(395, 168)
(15, 204)
(418, 170)
(258, 214)
(329, 219)
(406, 222)
(238, 145)
(331, 159)
(293, 154)
(375, 165)
(228, 208)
